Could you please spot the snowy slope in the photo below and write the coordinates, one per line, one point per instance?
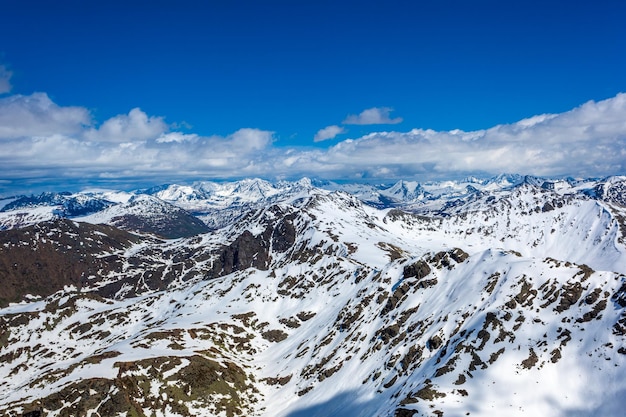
(145, 213)
(509, 301)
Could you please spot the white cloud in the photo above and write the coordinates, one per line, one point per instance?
(176, 137)
(39, 139)
(373, 116)
(135, 126)
(124, 147)
(329, 132)
(37, 115)
(5, 80)
(587, 141)
(248, 140)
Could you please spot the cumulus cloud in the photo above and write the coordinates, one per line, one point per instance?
(249, 140)
(134, 126)
(39, 139)
(5, 79)
(373, 116)
(329, 132)
(37, 115)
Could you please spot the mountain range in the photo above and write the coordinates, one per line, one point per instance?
(499, 296)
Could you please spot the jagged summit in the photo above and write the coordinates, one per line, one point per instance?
(313, 301)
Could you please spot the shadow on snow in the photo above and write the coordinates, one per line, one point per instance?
(346, 404)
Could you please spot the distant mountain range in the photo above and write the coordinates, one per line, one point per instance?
(504, 296)
(219, 204)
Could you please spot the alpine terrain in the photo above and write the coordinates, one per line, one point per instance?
(496, 297)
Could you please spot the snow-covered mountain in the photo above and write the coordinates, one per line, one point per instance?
(496, 297)
(219, 204)
(145, 213)
(26, 210)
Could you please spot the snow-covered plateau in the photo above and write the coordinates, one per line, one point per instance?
(497, 297)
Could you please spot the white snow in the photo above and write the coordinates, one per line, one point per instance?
(347, 261)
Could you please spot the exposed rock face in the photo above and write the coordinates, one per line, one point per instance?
(245, 252)
(284, 234)
(42, 259)
(147, 384)
(175, 224)
(417, 270)
(249, 251)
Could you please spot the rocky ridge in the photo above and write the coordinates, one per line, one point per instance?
(501, 303)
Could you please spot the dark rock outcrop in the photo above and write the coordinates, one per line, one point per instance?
(250, 251)
(245, 252)
(172, 224)
(42, 259)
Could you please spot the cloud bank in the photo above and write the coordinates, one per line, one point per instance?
(41, 141)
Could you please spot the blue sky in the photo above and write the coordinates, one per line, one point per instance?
(141, 92)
